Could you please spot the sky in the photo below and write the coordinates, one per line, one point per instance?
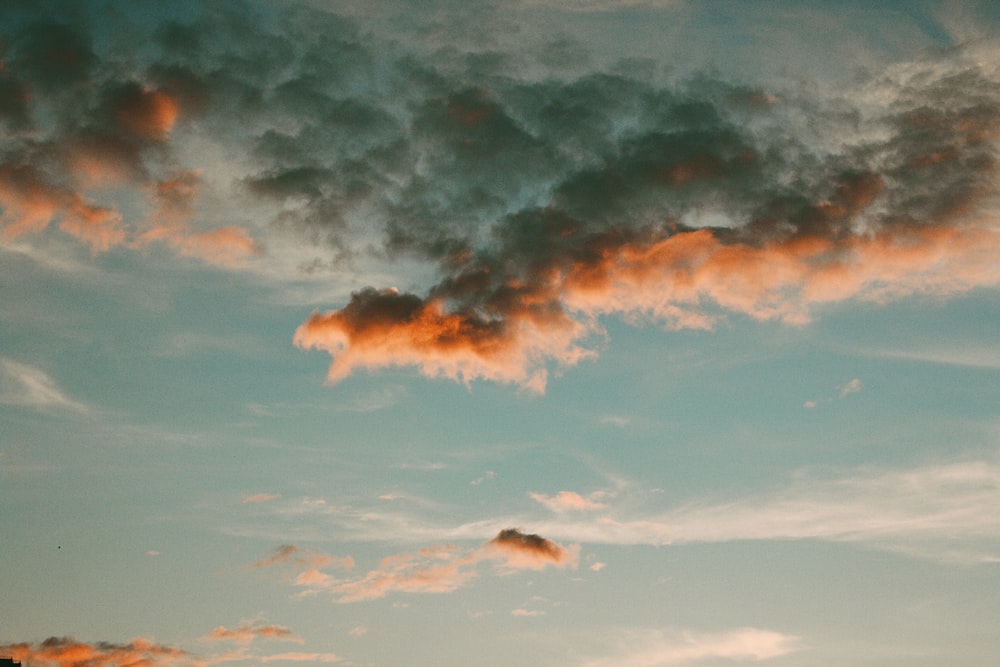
(626, 333)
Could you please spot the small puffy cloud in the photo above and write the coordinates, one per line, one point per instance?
(520, 550)
(565, 501)
(851, 387)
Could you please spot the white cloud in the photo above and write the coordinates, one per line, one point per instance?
(29, 386)
(656, 648)
(942, 512)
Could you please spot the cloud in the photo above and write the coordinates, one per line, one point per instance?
(68, 652)
(439, 569)
(519, 207)
(28, 386)
(904, 206)
(650, 648)
(940, 512)
(527, 612)
(302, 657)
(519, 550)
(851, 387)
(257, 498)
(245, 634)
(567, 501)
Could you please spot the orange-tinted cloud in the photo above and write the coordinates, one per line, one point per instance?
(30, 203)
(245, 634)
(174, 199)
(68, 652)
(387, 328)
(686, 278)
(149, 114)
(438, 569)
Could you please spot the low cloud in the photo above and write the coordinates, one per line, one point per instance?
(68, 652)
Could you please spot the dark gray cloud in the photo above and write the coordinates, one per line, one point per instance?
(544, 195)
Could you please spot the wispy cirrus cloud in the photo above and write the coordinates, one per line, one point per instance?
(28, 386)
(569, 501)
(647, 648)
(939, 512)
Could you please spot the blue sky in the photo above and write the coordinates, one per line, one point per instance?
(605, 333)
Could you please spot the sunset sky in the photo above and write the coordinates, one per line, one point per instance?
(608, 333)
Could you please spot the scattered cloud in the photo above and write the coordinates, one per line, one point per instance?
(486, 476)
(439, 569)
(68, 652)
(851, 387)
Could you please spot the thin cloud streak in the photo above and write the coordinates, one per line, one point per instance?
(27, 386)
(944, 513)
(651, 648)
